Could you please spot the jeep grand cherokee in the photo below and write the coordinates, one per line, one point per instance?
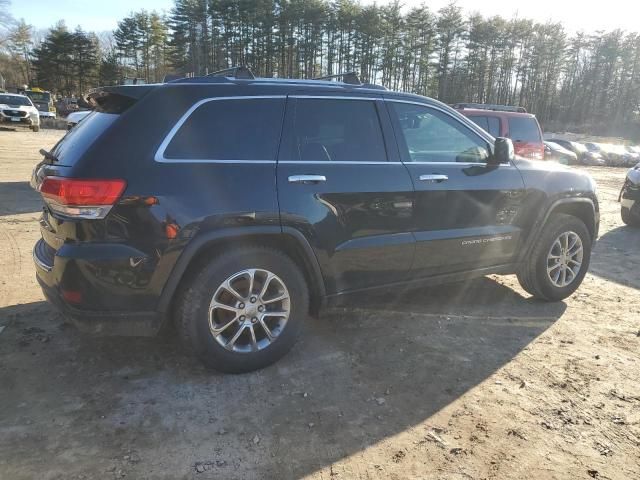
(239, 206)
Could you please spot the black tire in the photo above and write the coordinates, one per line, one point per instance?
(628, 218)
(35, 128)
(533, 276)
(192, 316)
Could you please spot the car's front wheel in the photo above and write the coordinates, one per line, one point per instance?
(559, 261)
(244, 310)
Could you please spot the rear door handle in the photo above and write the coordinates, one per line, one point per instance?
(434, 178)
(307, 178)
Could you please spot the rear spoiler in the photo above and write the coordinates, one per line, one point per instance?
(117, 98)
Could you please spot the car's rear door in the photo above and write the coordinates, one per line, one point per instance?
(465, 212)
(341, 184)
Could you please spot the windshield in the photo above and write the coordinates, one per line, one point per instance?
(39, 96)
(15, 100)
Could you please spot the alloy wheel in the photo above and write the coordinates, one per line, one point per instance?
(564, 259)
(249, 310)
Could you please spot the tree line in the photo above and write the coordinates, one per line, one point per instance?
(583, 81)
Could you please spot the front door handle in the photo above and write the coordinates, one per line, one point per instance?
(434, 178)
(307, 178)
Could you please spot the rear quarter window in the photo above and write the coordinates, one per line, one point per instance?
(524, 129)
(78, 140)
(228, 129)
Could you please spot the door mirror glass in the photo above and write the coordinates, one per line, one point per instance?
(502, 151)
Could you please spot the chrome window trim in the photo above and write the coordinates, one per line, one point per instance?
(159, 156)
(337, 162)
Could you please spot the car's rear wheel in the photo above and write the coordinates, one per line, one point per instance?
(628, 218)
(35, 128)
(559, 260)
(244, 310)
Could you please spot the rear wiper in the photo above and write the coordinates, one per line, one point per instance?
(48, 155)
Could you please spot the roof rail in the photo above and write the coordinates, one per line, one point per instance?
(488, 106)
(347, 77)
(234, 72)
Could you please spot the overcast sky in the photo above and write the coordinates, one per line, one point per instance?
(576, 15)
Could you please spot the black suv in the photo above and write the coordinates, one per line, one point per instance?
(240, 206)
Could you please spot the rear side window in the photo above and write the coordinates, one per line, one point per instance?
(524, 129)
(230, 129)
(78, 140)
(335, 130)
(488, 124)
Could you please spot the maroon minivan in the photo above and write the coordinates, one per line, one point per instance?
(507, 121)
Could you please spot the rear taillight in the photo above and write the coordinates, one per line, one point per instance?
(80, 198)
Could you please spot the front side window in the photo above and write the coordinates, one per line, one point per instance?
(333, 130)
(230, 129)
(432, 136)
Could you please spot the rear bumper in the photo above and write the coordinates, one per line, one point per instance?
(95, 308)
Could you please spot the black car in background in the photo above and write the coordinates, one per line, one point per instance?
(237, 206)
(630, 198)
(585, 156)
(554, 152)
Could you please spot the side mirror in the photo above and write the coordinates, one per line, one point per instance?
(503, 151)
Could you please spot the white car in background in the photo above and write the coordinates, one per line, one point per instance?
(18, 111)
(74, 117)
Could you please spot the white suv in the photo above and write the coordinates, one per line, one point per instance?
(18, 111)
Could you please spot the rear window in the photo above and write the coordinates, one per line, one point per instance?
(80, 138)
(489, 124)
(241, 129)
(524, 129)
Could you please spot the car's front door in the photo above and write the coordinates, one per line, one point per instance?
(341, 183)
(466, 210)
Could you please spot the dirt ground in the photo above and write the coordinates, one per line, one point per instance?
(465, 381)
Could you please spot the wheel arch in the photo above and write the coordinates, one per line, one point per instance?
(584, 210)
(581, 207)
(287, 240)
